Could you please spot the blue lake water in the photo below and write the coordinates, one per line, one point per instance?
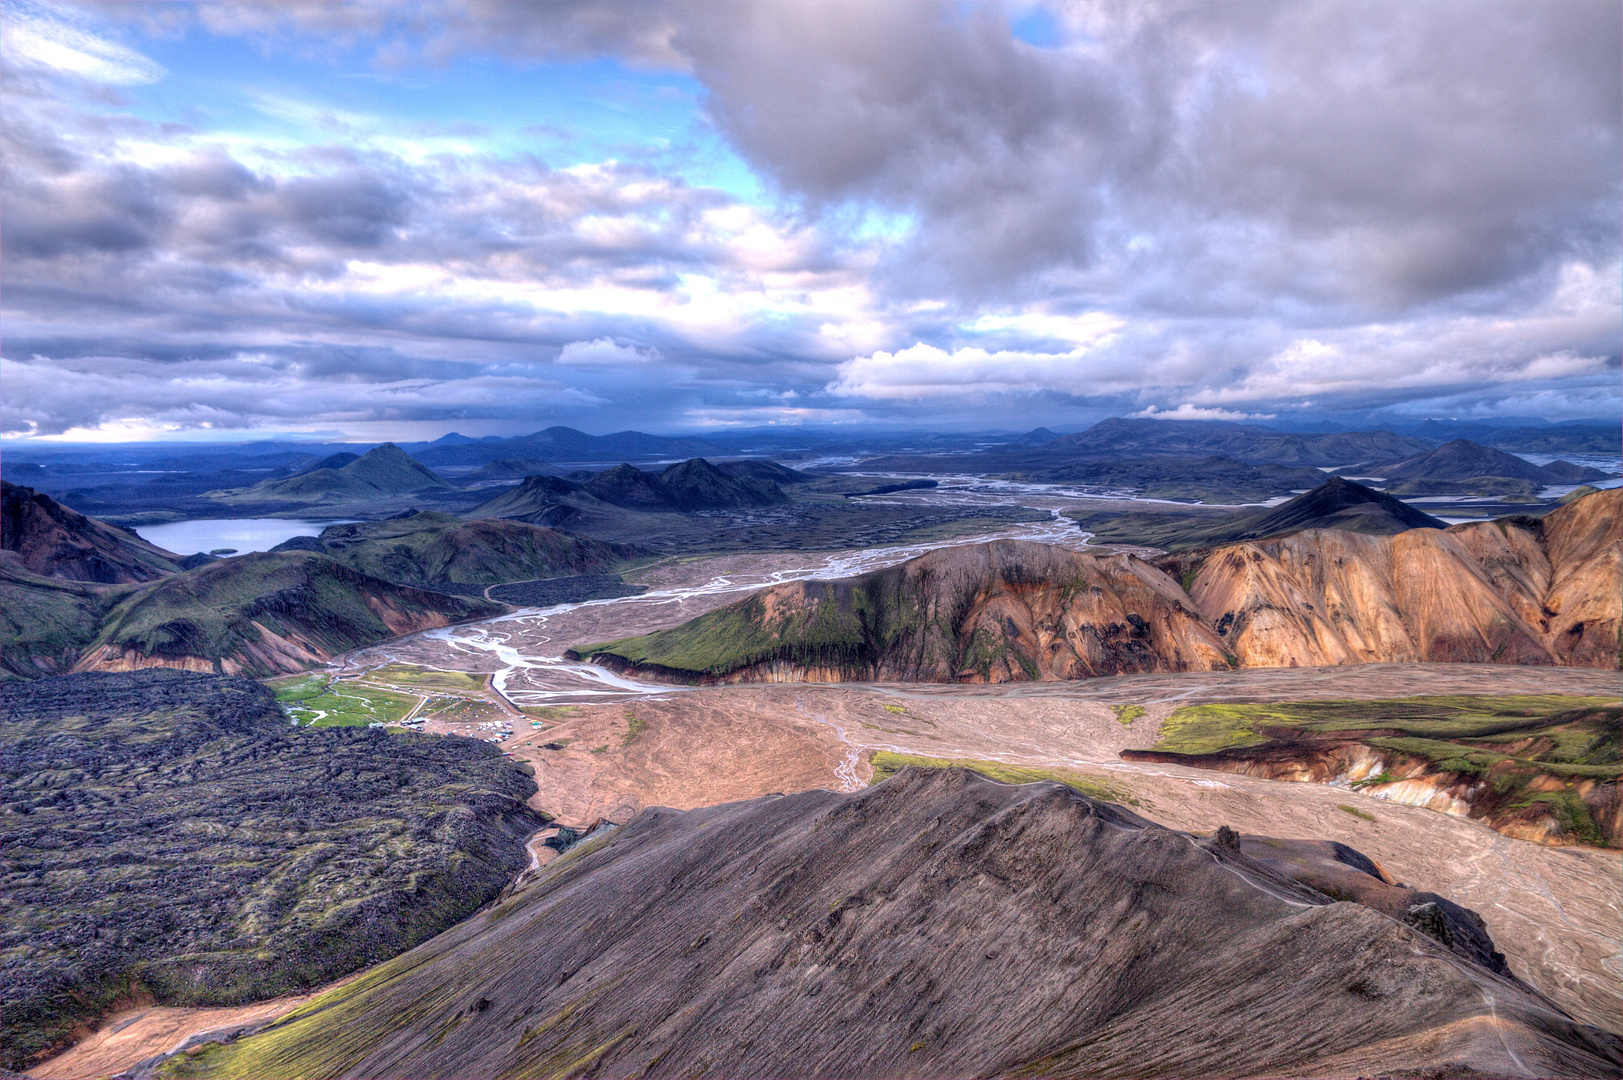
(243, 534)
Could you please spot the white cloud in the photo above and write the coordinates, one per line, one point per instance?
(1187, 411)
(925, 371)
(32, 35)
(604, 352)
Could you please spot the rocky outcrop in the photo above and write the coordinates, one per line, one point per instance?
(938, 924)
(54, 541)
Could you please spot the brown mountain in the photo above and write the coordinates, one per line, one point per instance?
(938, 924)
(1517, 590)
(56, 542)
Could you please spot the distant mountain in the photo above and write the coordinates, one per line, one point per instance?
(771, 471)
(567, 444)
(1335, 504)
(511, 469)
(435, 549)
(938, 924)
(1035, 437)
(384, 471)
(265, 614)
(57, 542)
(1124, 438)
(1464, 467)
(1566, 438)
(687, 486)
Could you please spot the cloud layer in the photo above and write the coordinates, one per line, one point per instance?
(1169, 209)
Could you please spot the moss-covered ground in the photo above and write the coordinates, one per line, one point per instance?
(320, 701)
(423, 678)
(887, 764)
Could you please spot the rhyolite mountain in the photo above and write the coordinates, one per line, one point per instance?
(265, 614)
(169, 837)
(937, 924)
(382, 471)
(1515, 590)
(56, 541)
(430, 548)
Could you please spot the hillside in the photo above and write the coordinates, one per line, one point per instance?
(383, 471)
(1335, 504)
(510, 469)
(1119, 437)
(684, 487)
(169, 837)
(265, 614)
(565, 444)
(55, 541)
(45, 623)
(998, 612)
(1544, 769)
(938, 924)
(434, 549)
(1516, 591)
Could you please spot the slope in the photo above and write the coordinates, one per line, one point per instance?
(265, 614)
(939, 924)
(430, 548)
(45, 623)
(997, 612)
(57, 542)
(1463, 467)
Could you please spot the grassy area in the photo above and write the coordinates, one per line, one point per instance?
(428, 678)
(319, 701)
(634, 727)
(551, 712)
(1126, 714)
(1355, 812)
(1206, 729)
(886, 764)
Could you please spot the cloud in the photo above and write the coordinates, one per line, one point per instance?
(604, 351)
(1187, 411)
(926, 371)
(45, 38)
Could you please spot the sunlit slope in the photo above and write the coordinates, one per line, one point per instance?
(997, 612)
(939, 924)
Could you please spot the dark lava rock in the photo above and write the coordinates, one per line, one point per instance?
(938, 924)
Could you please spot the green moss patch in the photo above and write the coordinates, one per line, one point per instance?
(887, 764)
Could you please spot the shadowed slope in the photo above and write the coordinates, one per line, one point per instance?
(940, 924)
(56, 542)
(383, 471)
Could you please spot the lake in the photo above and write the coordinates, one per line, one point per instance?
(243, 534)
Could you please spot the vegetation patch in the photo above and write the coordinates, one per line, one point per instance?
(1126, 714)
(887, 764)
(342, 704)
(169, 836)
(634, 727)
(428, 678)
(1361, 815)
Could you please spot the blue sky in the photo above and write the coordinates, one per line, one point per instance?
(393, 221)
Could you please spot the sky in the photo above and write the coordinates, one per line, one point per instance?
(397, 220)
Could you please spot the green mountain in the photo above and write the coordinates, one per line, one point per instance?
(266, 614)
(45, 623)
(383, 471)
(686, 486)
(55, 541)
(430, 549)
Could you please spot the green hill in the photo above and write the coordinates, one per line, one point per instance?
(266, 614)
(430, 548)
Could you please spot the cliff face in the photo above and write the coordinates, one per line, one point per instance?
(265, 614)
(54, 541)
(1515, 591)
(938, 924)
